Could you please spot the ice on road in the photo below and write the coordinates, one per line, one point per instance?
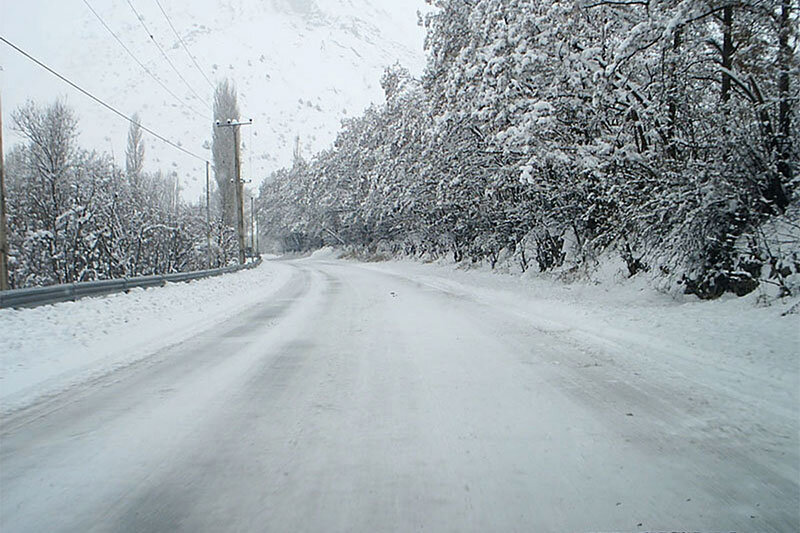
(357, 398)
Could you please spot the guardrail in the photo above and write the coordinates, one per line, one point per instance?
(37, 296)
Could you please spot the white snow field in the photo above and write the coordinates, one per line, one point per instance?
(326, 395)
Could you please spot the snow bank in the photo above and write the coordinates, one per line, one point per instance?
(48, 349)
(327, 252)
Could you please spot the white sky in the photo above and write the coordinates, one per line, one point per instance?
(300, 67)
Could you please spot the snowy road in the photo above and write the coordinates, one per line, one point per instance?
(361, 400)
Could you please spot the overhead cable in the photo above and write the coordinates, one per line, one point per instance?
(164, 54)
(183, 43)
(101, 102)
(142, 65)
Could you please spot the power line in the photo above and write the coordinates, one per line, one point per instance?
(147, 70)
(101, 102)
(200, 70)
(164, 54)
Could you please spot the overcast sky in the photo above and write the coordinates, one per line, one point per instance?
(300, 66)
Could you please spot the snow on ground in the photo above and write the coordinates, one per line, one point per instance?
(631, 311)
(731, 346)
(729, 343)
(50, 348)
(327, 252)
(402, 396)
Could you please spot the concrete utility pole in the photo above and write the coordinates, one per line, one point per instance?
(3, 231)
(238, 179)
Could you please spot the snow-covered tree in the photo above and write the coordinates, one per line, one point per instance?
(561, 131)
(134, 152)
(75, 216)
(226, 107)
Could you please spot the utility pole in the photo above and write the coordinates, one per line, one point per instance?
(238, 179)
(208, 215)
(3, 231)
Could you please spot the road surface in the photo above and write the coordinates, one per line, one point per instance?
(356, 400)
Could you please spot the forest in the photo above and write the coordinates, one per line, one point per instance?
(554, 135)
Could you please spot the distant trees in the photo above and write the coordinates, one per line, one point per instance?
(75, 216)
(556, 132)
(226, 107)
(53, 220)
(134, 151)
(224, 240)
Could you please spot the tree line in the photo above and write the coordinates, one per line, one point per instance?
(556, 133)
(75, 215)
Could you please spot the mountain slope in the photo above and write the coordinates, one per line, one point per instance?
(300, 66)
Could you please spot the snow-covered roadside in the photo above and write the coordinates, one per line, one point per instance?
(730, 345)
(49, 349)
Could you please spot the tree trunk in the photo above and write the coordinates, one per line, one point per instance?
(727, 52)
(773, 191)
(672, 150)
(784, 105)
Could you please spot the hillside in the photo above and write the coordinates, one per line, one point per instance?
(301, 66)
